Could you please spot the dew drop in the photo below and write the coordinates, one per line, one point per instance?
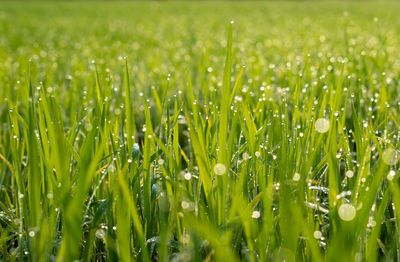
(391, 175)
(185, 205)
(245, 156)
(322, 125)
(219, 169)
(101, 233)
(256, 214)
(296, 177)
(349, 173)
(187, 176)
(135, 151)
(347, 212)
(88, 127)
(390, 156)
(317, 234)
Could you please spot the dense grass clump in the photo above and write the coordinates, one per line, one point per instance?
(159, 131)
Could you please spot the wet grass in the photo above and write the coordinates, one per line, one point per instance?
(161, 131)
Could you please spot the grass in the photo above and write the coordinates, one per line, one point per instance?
(161, 131)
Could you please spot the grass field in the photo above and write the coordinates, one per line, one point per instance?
(164, 131)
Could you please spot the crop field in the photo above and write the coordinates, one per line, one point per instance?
(199, 131)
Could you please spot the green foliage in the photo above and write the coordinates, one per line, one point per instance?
(161, 131)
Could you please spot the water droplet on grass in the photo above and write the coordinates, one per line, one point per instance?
(317, 234)
(219, 169)
(88, 127)
(256, 214)
(391, 175)
(100, 233)
(135, 151)
(185, 205)
(187, 176)
(390, 156)
(296, 177)
(246, 156)
(349, 174)
(322, 125)
(347, 212)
